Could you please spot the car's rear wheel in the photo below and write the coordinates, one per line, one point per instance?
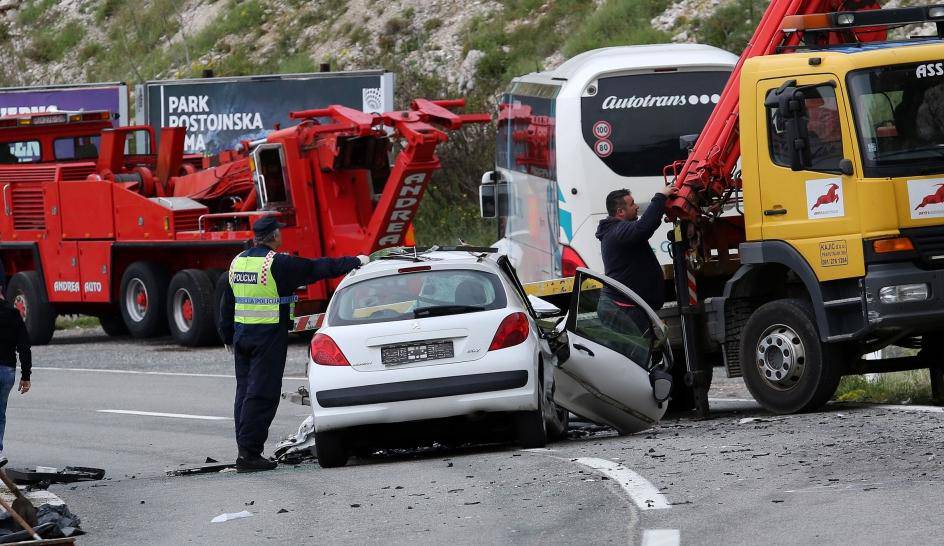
(531, 426)
(330, 449)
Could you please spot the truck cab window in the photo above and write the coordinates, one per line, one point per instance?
(24, 151)
(80, 147)
(271, 175)
(825, 130)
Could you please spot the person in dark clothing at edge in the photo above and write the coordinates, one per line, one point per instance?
(628, 258)
(255, 322)
(13, 340)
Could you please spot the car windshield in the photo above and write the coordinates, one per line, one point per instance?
(419, 294)
(899, 114)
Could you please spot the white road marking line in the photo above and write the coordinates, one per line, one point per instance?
(661, 537)
(643, 493)
(716, 400)
(902, 407)
(138, 372)
(159, 414)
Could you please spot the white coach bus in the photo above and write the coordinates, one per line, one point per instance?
(606, 119)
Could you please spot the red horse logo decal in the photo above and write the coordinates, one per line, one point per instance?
(831, 196)
(933, 199)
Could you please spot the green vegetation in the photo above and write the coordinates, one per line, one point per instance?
(618, 22)
(913, 387)
(69, 322)
(731, 26)
(33, 10)
(51, 44)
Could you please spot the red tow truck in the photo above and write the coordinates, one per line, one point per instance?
(143, 241)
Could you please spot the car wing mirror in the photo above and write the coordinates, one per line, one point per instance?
(661, 382)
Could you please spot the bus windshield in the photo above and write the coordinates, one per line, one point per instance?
(900, 119)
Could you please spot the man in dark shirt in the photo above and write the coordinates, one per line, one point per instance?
(628, 258)
(260, 342)
(13, 340)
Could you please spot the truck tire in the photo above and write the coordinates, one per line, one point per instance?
(786, 366)
(142, 296)
(114, 325)
(219, 291)
(27, 294)
(190, 308)
(330, 449)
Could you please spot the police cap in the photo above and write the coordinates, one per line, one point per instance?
(266, 225)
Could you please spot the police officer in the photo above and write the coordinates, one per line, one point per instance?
(255, 321)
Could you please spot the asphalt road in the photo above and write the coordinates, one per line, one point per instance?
(865, 475)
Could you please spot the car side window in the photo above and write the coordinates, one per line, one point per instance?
(825, 130)
(606, 317)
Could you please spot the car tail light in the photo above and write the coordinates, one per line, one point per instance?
(512, 331)
(325, 351)
(570, 261)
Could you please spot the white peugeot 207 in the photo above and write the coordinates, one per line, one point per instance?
(431, 344)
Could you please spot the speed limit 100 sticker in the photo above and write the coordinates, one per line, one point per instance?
(603, 147)
(602, 129)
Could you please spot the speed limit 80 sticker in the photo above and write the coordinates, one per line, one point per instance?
(603, 147)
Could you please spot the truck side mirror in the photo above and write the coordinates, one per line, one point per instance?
(796, 127)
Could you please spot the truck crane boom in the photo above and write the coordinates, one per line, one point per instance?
(707, 175)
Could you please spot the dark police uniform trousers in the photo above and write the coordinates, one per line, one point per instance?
(260, 349)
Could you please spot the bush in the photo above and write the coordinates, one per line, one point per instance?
(731, 26)
(51, 44)
(616, 23)
(33, 10)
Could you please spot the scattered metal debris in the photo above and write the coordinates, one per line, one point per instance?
(46, 475)
(298, 447)
(300, 397)
(202, 469)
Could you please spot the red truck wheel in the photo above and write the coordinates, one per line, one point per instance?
(27, 295)
(190, 308)
(143, 293)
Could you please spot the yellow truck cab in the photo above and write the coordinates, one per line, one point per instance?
(842, 158)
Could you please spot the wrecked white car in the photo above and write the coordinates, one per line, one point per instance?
(443, 344)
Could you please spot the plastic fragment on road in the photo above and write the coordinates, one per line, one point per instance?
(298, 447)
(229, 516)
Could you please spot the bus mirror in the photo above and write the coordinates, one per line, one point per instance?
(493, 196)
(487, 200)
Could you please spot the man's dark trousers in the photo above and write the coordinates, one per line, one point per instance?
(260, 351)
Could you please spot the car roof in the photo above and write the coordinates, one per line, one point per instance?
(438, 259)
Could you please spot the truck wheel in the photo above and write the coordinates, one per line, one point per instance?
(786, 366)
(219, 291)
(330, 449)
(190, 308)
(113, 325)
(27, 295)
(143, 293)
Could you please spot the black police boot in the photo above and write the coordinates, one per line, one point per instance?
(247, 462)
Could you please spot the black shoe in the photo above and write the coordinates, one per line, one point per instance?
(254, 463)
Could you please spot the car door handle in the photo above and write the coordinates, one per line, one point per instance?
(580, 347)
(774, 212)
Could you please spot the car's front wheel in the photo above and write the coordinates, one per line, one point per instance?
(330, 449)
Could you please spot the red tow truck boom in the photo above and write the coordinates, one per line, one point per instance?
(143, 240)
